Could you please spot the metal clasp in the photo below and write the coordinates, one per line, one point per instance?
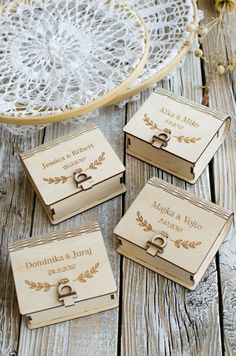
(84, 181)
(161, 139)
(157, 243)
(66, 293)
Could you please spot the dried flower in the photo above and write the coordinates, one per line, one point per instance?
(227, 5)
(191, 28)
(229, 65)
(203, 31)
(198, 52)
(220, 69)
(217, 65)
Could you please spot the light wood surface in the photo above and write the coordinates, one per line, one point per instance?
(156, 317)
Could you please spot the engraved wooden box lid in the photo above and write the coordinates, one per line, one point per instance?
(81, 160)
(180, 127)
(43, 265)
(81, 163)
(173, 226)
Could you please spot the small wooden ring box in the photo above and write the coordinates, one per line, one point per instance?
(172, 232)
(175, 134)
(62, 276)
(74, 173)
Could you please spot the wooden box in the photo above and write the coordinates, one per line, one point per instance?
(74, 173)
(62, 276)
(175, 134)
(172, 232)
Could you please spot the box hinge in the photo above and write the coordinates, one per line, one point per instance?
(84, 181)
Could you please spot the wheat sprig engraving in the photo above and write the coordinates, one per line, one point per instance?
(56, 180)
(178, 243)
(97, 162)
(181, 139)
(187, 139)
(39, 286)
(186, 244)
(63, 179)
(88, 274)
(45, 286)
(148, 122)
(143, 223)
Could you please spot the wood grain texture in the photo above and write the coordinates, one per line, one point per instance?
(222, 98)
(95, 334)
(158, 316)
(16, 209)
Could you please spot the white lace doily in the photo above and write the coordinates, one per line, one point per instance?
(167, 22)
(62, 58)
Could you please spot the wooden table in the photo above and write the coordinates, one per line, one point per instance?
(156, 317)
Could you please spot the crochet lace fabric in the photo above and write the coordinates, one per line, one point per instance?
(166, 21)
(57, 55)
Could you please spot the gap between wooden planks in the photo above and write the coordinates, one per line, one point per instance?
(157, 316)
(223, 174)
(160, 317)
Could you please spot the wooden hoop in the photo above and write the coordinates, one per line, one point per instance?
(83, 109)
(165, 71)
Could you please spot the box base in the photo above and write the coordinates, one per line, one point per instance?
(95, 203)
(51, 316)
(165, 169)
(155, 269)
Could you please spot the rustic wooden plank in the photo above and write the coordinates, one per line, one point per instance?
(160, 317)
(222, 98)
(16, 209)
(95, 334)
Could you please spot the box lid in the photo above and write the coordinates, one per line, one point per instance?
(187, 224)
(187, 126)
(57, 168)
(41, 263)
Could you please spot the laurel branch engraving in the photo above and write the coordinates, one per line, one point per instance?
(63, 179)
(187, 139)
(143, 223)
(151, 124)
(181, 139)
(97, 162)
(178, 243)
(45, 286)
(38, 286)
(88, 274)
(186, 244)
